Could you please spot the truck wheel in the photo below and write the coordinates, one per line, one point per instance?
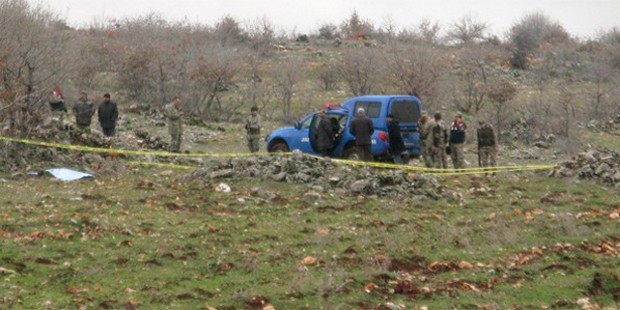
(279, 147)
(352, 153)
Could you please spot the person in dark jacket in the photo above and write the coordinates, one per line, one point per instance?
(108, 114)
(397, 146)
(457, 139)
(83, 111)
(326, 135)
(362, 128)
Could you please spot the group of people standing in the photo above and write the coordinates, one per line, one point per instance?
(253, 126)
(438, 141)
(84, 110)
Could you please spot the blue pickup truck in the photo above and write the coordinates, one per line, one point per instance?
(302, 136)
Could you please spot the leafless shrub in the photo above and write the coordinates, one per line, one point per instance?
(328, 31)
(416, 69)
(500, 92)
(501, 231)
(228, 32)
(529, 34)
(261, 34)
(458, 236)
(426, 32)
(212, 75)
(328, 76)
(467, 29)
(285, 77)
(567, 224)
(360, 70)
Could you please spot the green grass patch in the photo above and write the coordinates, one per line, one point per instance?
(151, 240)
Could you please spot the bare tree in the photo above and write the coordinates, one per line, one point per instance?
(500, 92)
(261, 34)
(603, 78)
(426, 32)
(285, 77)
(566, 110)
(467, 30)
(416, 69)
(32, 46)
(32, 58)
(210, 76)
(359, 69)
(473, 67)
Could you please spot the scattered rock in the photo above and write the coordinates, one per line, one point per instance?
(220, 174)
(312, 197)
(600, 165)
(223, 187)
(321, 175)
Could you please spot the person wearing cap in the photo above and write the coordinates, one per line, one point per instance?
(487, 144)
(362, 128)
(437, 140)
(253, 125)
(397, 146)
(425, 152)
(457, 139)
(108, 115)
(83, 111)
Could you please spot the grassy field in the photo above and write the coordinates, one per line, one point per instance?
(149, 239)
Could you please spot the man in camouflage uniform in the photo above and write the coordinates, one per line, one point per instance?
(253, 125)
(437, 140)
(83, 111)
(175, 128)
(423, 123)
(487, 144)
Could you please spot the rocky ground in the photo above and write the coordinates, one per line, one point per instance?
(601, 165)
(321, 175)
(146, 131)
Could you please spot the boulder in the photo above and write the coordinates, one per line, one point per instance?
(312, 197)
(220, 174)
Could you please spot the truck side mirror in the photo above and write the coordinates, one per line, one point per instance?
(297, 125)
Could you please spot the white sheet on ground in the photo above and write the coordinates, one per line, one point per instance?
(65, 174)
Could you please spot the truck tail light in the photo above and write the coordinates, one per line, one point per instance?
(383, 136)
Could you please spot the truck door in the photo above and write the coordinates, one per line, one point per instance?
(407, 112)
(337, 121)
(313, 132)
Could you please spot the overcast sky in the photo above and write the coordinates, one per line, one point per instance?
(583, 18)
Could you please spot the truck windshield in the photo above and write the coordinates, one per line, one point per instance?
(406, 111)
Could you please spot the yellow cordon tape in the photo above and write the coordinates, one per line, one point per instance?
(447, 172)
(432, 171)
(162, 165)
(127, 152)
